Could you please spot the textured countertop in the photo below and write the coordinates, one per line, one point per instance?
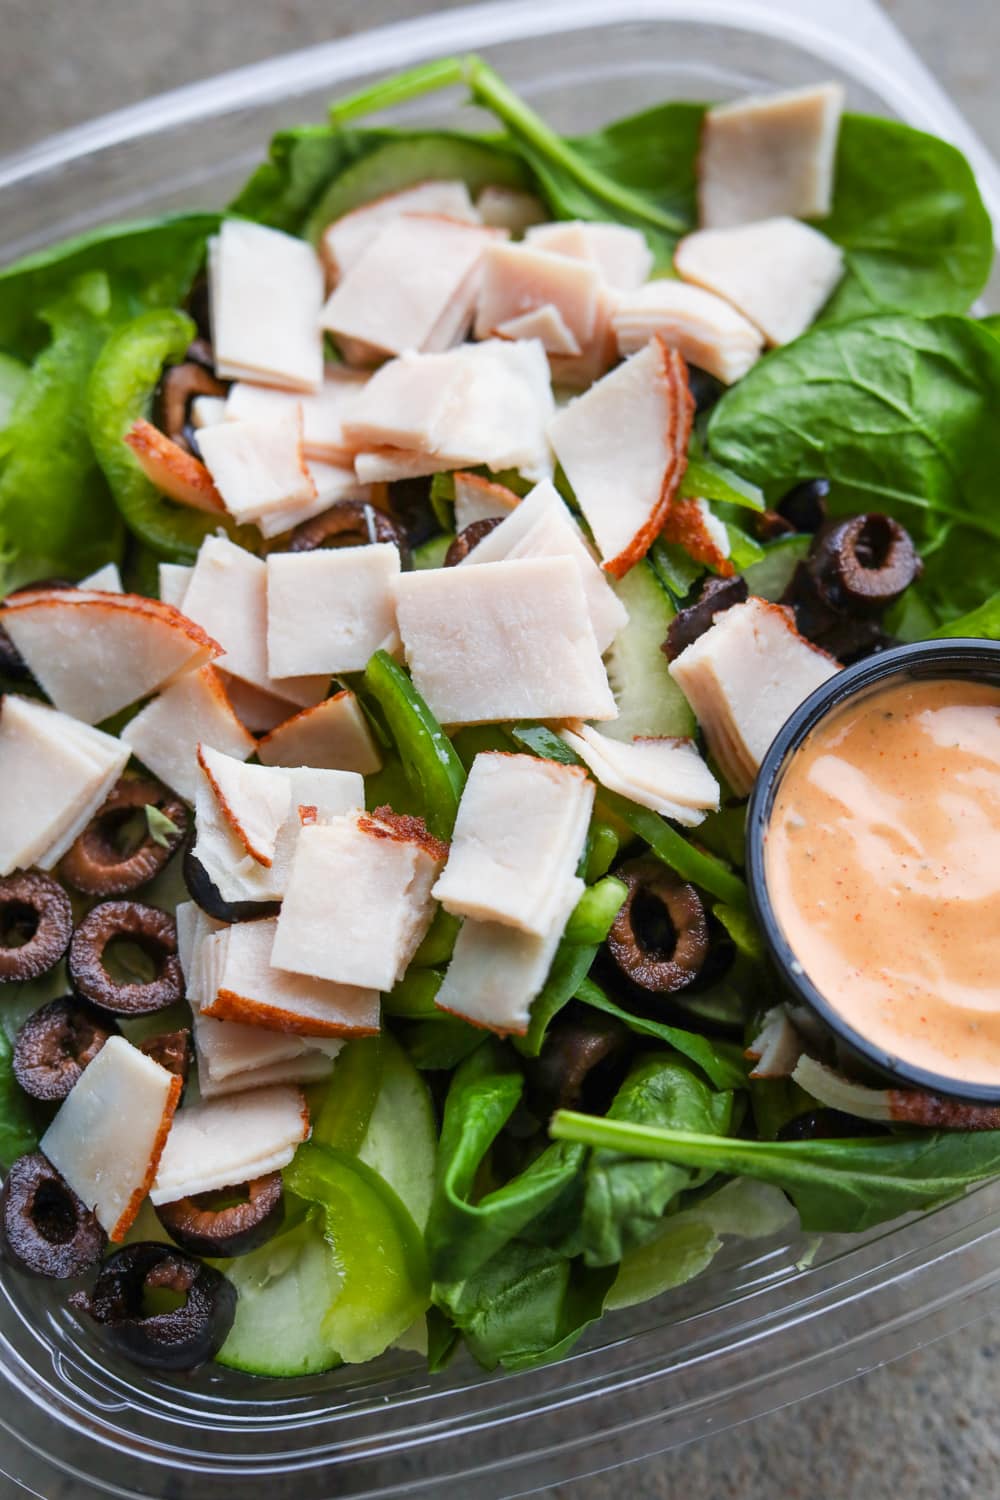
(924, 1426)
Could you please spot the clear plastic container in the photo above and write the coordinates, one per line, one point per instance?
(769, 1323)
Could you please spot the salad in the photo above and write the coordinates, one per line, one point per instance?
(404, 574)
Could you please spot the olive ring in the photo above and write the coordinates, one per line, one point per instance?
(35, 907)
(96, 866)
(151, 930)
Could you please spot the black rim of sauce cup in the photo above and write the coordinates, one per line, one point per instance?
(976, 660)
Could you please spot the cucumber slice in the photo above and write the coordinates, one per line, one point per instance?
(423, 156)
(401, 1141)
(284, 1290)
(770, 577)
(649, 701)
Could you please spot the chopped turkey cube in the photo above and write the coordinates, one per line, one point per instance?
(254, 800)
(229, 1141)
(266, 292)
(96, 653)
(545, 323)
(542, 526)
(193, 926)
(778, 273)
(509, 208)
(769, 154)
(227, 595)
(690, 523)
(623, 445)
(228, 1049)
(331, 483)
(174, 580)
(58, 772)
(195, 710)
(520, 279)
(506, 640)
(334, 734)
(257, 710)
(322, 413)
(346, 239)
(358, 901)
(480, 499)
(109, 1133)
(521, 827)
(258, 465)
(667, 775)
(621, 254)
(309, 1066)
(175, 472)
(107, 580)
(207, 410)
(319, 794)
(701, 326)
(743, 678)
(496, 972)
(328, 611)
(249, 989)
(414, 288)
(578, 371)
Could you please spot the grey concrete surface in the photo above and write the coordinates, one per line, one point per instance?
(925, 1426)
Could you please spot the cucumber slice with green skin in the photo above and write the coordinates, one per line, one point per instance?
(649, 701)
(400, 1143)
(284, 1289)
(426, 156)
(769, 578)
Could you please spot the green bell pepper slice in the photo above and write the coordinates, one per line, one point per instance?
(430, 761)
(349, 1102)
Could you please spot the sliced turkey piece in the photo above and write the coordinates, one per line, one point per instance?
(777, 1047)
(228, 1049)
(330, 610)
(258, 466)
(414, 287)
(359, 900)
(485, 403)
(542, 526)
(319, 794)
(506, 640)
(249, 989)
(480, 499)
(545, 323)
(769, 154)
(703, 327)
(227, 596)
(521, 279)
(334, 734)
(322, 413)
(109, 1134)
(778, 273)
(623, 446)
(255, 800)
(257, 710)
(96, 653)
(193, 926)
(331, 484)
(174, 579)
(107, 580)
(347, 238)
(579, 371)
(310, 1066)
(175, 472)
(521, 828)
(691, 524)
(620, 253)
(743, 678)
(266, 291)
(205, 411)
(509, 208)
(57, 773)
(230, 1141)
(195, 710)
(668, 776)
(496, 972)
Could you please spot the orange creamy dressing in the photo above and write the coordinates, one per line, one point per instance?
(883, 866)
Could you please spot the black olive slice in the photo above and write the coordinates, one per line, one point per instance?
(179, 1339)
(205, 893)
(804, 507)
(150, 930)
(44, 1227)
(96, 863)
(172, 1050)
(55, 1045)
(232, 1229)
(350, 523)
(659, 938)
(581, 1055)
(469, 537)
(717, 594)
(864, 564)
(36, 924)
(705, 388)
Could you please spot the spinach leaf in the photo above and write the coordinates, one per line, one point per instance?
(840, 1186)
(715, 1059)
(570, 968)
(527, 1305)
(982, 621)
(17, 1129)
(56, 516)
(148, 263)
(300, 165)
(907, 211)
(899, 413)
(625, 1197)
